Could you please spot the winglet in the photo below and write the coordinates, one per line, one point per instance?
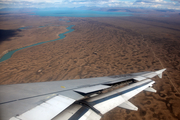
(159, 72)
(128, 105)
(150, 89)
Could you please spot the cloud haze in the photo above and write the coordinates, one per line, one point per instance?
(161, 4)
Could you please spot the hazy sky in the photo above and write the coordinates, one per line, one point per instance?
(163, 4)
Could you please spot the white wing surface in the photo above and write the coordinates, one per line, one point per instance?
(80, 99)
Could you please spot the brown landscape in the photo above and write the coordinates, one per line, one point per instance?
(98, 47)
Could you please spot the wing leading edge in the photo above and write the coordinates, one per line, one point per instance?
(74, 99)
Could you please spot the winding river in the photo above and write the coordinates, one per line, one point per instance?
(61, 36)
(67, 13)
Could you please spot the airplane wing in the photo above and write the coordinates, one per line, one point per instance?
(81, 99)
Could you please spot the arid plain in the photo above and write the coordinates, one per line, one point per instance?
(98, 47)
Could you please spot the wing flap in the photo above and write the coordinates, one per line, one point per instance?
(139, 78)
(120, 79)
(128, 105)
(72, 94)
(91, 88)
(48, 109)
(150, 89)
(149, 75)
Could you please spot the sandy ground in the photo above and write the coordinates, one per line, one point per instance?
(99, 47)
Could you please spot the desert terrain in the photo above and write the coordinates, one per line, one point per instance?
(98, 47)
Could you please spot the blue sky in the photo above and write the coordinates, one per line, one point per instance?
(160, 4)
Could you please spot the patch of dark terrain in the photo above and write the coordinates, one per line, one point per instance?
(170, 47)
(149, 20)
(4, 13)
(129, 31)
(6, 34)
(142, 112)
(166, 10)
(168, 104)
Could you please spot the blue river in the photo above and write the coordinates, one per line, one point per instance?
(61, 36)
